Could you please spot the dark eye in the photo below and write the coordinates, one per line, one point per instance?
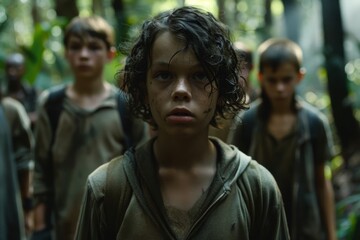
(75, 46)
(271, 80)
(287, 80)
(200, 77)
(163, 76)
(94, 47)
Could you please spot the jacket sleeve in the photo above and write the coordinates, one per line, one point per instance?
(90, 222)
(323, 141)
(22, 138)
(267, 211)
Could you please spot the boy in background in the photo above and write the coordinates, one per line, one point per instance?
(87, 133)
(292, 140)
(16, 86)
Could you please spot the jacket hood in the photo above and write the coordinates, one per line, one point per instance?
(142, 172)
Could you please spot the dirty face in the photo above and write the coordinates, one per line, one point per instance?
(178, 89)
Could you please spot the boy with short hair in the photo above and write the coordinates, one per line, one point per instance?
(181, 73)
(292, 140)
(87, 132)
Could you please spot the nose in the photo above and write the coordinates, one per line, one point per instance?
(280, 86)
(84, 52)
(182, 90)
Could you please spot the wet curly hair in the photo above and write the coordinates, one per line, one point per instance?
(210, 41)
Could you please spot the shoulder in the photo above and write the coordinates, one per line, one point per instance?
(10, 103)
(98, 178)
(44, 96)
(258, 173)
(259, 183)
(13, 109)
(249, 115)
(253, 108)
(313, 115)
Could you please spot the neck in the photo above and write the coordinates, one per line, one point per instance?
(184, 153)
(14, 86)
(90, 87)
(284, 107)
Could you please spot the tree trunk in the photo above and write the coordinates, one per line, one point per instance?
(345, 122)
(292, 19)
(66, 8)
(98, 7)
(121, 26)
(221, 12)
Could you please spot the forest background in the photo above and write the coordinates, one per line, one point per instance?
(327, 30)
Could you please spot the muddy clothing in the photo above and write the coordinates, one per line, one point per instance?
(291, 160)
(242, 202)
(84, 140)
(15, 155)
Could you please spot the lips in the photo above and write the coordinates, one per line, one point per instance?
(84, 66)
(180, 112)
(180, 115)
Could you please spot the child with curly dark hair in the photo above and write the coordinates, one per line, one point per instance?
(181, 73)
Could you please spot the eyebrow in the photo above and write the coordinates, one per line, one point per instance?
(161, 63)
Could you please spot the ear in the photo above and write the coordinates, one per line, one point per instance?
(260, 77)
(301, 74)
(111, 53)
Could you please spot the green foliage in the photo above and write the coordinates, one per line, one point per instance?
(352, 69)
(348, 218)
(34, 53)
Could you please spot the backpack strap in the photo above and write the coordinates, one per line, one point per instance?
(125, 116)
(117, 196)
(53, 107)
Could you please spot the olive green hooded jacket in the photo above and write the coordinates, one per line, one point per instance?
(243, 201)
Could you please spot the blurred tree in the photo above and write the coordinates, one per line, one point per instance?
(347, 127)
(66, 8)
(292, 19)
(221, 11)
(120, 21)
(98, 7)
